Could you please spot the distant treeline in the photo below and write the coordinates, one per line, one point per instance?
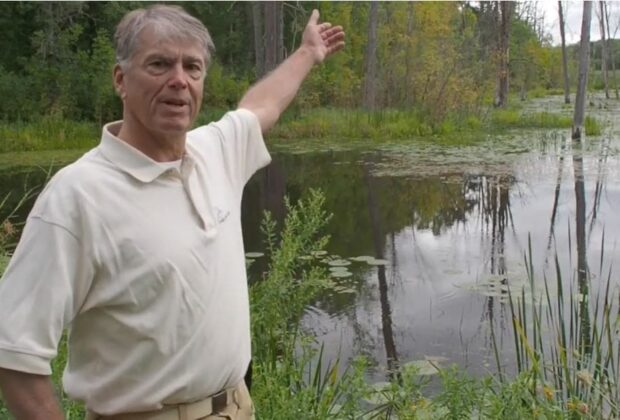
(438, 58)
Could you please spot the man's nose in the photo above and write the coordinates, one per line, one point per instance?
(178, 77)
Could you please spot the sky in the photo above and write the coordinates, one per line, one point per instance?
(572, 17)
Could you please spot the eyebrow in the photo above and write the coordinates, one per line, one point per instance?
(171, 57)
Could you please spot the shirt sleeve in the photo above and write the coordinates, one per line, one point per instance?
(42, 289)
(241, 142)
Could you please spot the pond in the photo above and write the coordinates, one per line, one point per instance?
(455, 225)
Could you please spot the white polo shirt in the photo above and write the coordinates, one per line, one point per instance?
(145, 264)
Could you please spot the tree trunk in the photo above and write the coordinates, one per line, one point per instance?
(370, 59)
(259, 39)
(582, 81)
(564, 56)
(610, 51)
(505, 9)
(273, 34)
(409, 94)
(604, 54)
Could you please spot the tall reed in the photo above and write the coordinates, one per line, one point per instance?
(567, 338)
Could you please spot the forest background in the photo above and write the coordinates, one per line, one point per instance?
(442, 62)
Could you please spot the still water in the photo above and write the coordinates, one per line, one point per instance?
(455, 225)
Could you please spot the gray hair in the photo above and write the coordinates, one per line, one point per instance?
(168, 22)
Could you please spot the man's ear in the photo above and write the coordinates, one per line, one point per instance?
(119, 81)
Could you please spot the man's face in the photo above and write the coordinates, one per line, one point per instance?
(162, 86)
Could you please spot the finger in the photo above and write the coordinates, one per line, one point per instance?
(335, 37)
(314, 17)
(331, 31)
(323, 27)
(335, 47)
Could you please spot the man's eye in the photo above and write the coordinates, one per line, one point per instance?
(195, 70)
(157, 65)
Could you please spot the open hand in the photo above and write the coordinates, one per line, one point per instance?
(321, 39)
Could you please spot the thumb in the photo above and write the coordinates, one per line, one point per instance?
(314, 17)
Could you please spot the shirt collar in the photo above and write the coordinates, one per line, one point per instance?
(131, 160)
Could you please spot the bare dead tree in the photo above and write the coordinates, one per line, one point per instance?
(564, 56)
(610, 49)
(604, 55)
(582, 81)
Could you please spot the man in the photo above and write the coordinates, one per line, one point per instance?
(137, 246)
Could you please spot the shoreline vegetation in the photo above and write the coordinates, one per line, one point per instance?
(292, 379)
(338, 124)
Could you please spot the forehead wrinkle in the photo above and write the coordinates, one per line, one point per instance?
(170, 50)
(163, 38)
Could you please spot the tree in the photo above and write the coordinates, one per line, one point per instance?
(370, 60)
(504, 11)
(604, 49)
(610, 49)
(274, 48)
(564, 56)
(259, 40)
(582, 81)
(268, 28)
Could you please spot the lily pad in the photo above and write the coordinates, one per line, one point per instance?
(339, 263)
(422, 367)
(376, 261)
(319, 253)
(362, 258)
(340, 274)
(254, 254)
(338, 268)
(378, 397)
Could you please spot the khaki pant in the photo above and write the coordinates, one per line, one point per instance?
(239, 407)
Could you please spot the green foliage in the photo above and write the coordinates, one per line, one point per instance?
(289, 285)
(508, 118)
(47, 133)
(593, 127)
(383, 125)
(223, 91)
(288, 382)
(436, 62)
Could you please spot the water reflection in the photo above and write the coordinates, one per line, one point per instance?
(445, 234)
(378, 239)
(584, 345)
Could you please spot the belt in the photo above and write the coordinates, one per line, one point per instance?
(185, 411)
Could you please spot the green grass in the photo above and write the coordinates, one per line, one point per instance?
(511, 118)
(48, 133)
(52, 133)
(388, 125)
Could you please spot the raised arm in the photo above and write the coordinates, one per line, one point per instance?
(271, 95)
(28, 396)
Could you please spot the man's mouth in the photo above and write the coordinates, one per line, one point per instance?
(175, 102)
